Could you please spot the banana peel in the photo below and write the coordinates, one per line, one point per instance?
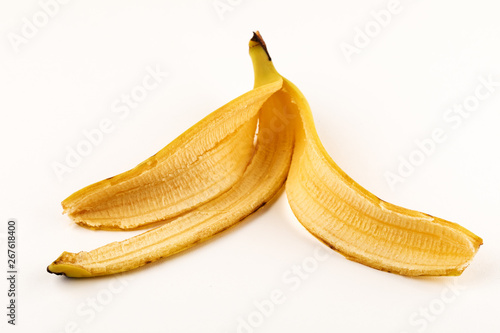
(168, 188)
(359, 225)
(264, 174)
(200, 164)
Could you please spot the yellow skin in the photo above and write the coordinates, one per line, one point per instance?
(353, 221)
(329, 204)
(362, 227)
(199, 165)
(264, 174)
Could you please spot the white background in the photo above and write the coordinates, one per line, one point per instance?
(64, 79)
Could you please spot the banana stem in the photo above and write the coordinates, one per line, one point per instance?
(262, 65)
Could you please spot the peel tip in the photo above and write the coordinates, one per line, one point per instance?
(68, 270)
(258, 40)
(51, 271)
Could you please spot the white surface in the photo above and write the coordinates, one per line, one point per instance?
(65, 79)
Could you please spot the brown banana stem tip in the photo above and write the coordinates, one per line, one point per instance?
(257, 37)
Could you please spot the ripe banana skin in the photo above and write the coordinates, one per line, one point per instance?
(262, 178)
(216, 174)
(363, 228)
(203, 162)
(354, 222)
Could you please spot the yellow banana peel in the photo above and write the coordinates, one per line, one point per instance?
(260, 171)
(203, 162)
(216, 174)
